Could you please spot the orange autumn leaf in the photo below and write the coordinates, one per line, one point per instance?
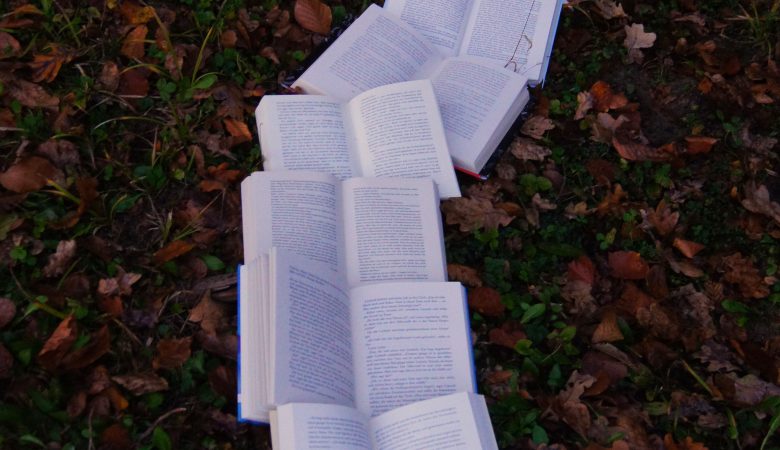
(46, 66)
(133, 46)
(607, 330)
(699, 144)
(28, 175)
(663, 219)
(582, 269)
(687, 248)
(628, 265)
(172, 353)
(604, 99)
(116, 437)
(9, 46)
(135, 14)
(58, 344)
(313, 15)
(486, 301)
(465, 274)
(686, 444)
(171, 251)
(238, 129)
(637, 151)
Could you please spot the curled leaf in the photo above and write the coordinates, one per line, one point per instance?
(28, 175)
(313, 15)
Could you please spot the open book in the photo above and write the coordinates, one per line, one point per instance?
(515, 34)
(456, 421)
(306, 337)
(367, 229)
(478, 98)
(390, 131)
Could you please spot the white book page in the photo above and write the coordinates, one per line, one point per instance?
(400, 135)
(305, 132)
(442, 22)
(473, 97)
(393, 231)
(304, 426)
(377, 49)
(313, 342)
(411, 343)
(511, 33)
(295, 211)
(441, 423)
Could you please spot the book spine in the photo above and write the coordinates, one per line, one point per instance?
(548, 51)
(238, 357)
(470, 342)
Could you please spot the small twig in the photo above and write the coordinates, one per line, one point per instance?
(160, 419)
(129, 332)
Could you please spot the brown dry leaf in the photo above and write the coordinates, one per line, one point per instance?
(638, 151)
(13, 20)
(61, 152)
(32, 95)
(486, 301)
(98, 345)
(687, 268)
(528, 150)
(29, 174)
(756, 200)
(219, 178)
(507, 335)
(473, 214)
(134, 83)
(228, 39)
(687, 248)
(604, 99)
(171, 251)
(112, 306)
(172, 353)
(747, 391)
(121, 284)
(686, 444)
(58, 344)
(109, 76)
(313, 15)
(47, 66)
(608, 330)
(142, 383)
(609, 9)
(76, 404)
(636, 39)
(696, 145)
(209, 314)
(628, 265)
(133, 46)
(59, 261)
(662, 219)
(135, 14)
(568, 407)
(604, 127)
(7, 311)
(458, 272)
(740, 270)
(6, 362)
(536, 126)
(238, 130)
(116, 437)
(224, 345)
(582, 269)
(632, 299)
(9, 46)
(584, 104)
(611, 201)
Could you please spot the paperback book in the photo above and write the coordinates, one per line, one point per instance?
(306, 336)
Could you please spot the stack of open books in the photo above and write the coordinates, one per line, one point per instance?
(350, 335)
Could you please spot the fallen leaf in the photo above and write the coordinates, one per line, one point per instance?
(609, 9)
(604, 99)
(32, 95)
(98, 345)
(568, 407)
(458, 272)
(662, 218)
(6, 362)
(696, 145)
(58, 344)
(582, 269)
(109, 76)
(528, 150)
(686, 444)
(61, 152)
(133, 45)
(473, 214)
(604, 127)
(13, 20)
(116, 437)
(223, 381)
(638, 151)
(607, 330)
(536, 126)
(756, 200)
(46, 66)
(98, 380)
(746, 391)
(636, 39)
(740, 270)
(58, 262)
(28, 175)
(209, 314)
(9, 46)
(687, 248)
(584, 104)
(486, 301)
(135, 14)
(76, 404)
(172, 353)
(224, 345)
(118, 400)
(628, 265)
(239, 130)
(171, 251)
(507, 335)
(112, 306)
(121, 284)
(142, 383)
(134, 83)
(7, 311)
(228, 39)
(313, 15)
